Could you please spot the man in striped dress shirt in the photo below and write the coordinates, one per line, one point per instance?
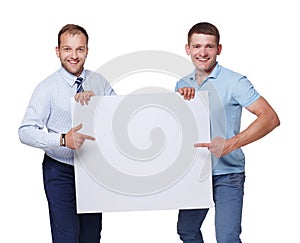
(47, 125)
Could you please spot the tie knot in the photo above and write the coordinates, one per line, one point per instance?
(78, 81)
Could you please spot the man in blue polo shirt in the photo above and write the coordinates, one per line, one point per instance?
(229, 92)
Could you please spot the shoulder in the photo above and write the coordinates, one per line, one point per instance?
(187, 81)
(226, 77)
(49, 83)
(226, 72)
(94, 77)
(242, 89)
(97, 83)
(44, 90)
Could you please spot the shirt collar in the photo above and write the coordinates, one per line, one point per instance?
(70, 78)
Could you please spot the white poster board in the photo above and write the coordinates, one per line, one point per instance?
(143, 157)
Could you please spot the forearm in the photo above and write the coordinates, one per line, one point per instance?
(264, 124)
(38, 138)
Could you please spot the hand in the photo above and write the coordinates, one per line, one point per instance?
(84, 97)
(218, 146)
(74, 139)
(187, 93)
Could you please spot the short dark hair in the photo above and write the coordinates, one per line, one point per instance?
(73, 29)
(204, 28)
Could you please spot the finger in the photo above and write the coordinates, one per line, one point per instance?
(87, 99)
(89, 137)
(82, 101)
(202, 145)
(190, 92)
(193, 93)
(77, 97)
(186, 93)
(77, 128)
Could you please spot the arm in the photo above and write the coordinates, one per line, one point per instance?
(32, 129)
(265, 122)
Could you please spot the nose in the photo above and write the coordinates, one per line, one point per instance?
(202, 52)
(74, 54)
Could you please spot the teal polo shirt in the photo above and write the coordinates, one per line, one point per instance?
(229, 92)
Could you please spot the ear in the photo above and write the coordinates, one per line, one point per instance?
(187, 49)
(219, 49)
(57, 51)
(87, 51)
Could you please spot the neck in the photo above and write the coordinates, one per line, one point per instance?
(201, 76)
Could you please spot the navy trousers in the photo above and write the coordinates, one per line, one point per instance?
(66, 225)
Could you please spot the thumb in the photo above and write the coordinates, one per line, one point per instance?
(77, 128)
(180, 91)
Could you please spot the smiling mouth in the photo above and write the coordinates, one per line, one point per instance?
(73, 62)
(202, 59)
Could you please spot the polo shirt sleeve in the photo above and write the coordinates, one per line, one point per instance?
(185, 82)
(244, 92)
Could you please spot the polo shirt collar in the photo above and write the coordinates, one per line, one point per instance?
(212, 75)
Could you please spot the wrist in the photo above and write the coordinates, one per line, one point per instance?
(63, 140)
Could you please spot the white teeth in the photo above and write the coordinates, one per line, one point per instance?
(201, 59)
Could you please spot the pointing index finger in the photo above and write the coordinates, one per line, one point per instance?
(89, 137)
(202, 145)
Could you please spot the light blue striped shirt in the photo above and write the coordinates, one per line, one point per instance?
(229, 92)
(49, 111)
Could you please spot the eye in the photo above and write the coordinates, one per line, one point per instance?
(81, 49)
(196, 46)
(211, 46)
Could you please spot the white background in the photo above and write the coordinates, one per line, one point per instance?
(260, 39)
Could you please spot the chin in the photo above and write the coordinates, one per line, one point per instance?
(74, 71)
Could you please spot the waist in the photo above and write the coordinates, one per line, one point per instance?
(49, 159)
(61, 154)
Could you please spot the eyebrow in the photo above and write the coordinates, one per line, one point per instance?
(84, 46)
(208, 44)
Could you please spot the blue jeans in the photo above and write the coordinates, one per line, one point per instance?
(228, 193)
(66, 225)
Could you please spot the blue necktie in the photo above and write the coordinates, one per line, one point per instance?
(79, 85)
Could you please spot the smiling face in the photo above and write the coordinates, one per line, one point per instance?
(203, 49)
(72, 52)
